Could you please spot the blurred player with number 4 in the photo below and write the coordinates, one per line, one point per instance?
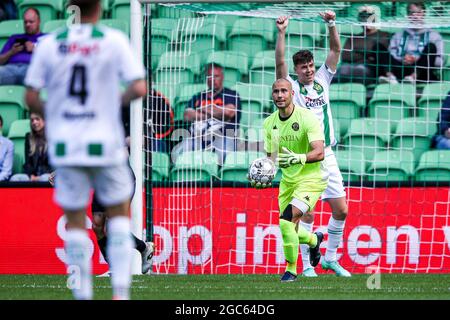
(311, 91)
(293, 136)
(82, 67)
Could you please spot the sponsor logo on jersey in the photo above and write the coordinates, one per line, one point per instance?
(72, 48)
(313, 103)
(289, 137)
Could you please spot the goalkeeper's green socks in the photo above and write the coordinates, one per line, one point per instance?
(306, 237)
(290, 245)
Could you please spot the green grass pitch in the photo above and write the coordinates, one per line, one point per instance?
(238, 287)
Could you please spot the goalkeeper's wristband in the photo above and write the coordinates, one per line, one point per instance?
(302, 158)
(331, 23)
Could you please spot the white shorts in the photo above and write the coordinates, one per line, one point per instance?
(113, 185)
(335, 188)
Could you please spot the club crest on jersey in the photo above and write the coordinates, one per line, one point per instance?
(295, 126)
(317, 86)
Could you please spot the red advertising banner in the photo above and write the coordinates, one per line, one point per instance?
(235, 230)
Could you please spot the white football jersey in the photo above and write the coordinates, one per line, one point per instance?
(82, 68)
(316, 97)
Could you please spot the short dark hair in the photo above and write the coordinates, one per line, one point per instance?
(87, 7)
(417, 4)
(302, 56)
(35, 11)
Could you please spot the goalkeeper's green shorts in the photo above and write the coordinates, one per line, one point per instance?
(307, 192)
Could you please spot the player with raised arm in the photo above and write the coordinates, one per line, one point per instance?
(293, 136)
(82, 67)
(311, 91)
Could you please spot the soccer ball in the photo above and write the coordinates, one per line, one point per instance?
(262, 170)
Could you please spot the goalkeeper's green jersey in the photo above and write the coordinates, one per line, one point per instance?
(296, 133)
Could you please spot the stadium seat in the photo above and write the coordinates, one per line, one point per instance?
(262, 70)
(302, 35)
(177, 68)
(184, 96)
(391, 165)
(347, 101)
(12, 105)
(168, 11)
(413, 134)
(255, 133)
(434, 166)
(235, 65)
(251, 35)
(122, 25)
(169, 90)
(48, 9)
(337, 129)
(430, 102)
(253, 99)
(195, 166)
(236, 165)
(320, 55)
(352, 164)
(203, 35)
(392, 102)
(8, 28)
(17, 132)
(228, 20)
(120, 9)
(53, 25)
(348, 30)
(367, 135)
(164, 33)
(160, 166)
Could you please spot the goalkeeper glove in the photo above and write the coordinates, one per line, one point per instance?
(258, 185)
(288, 158)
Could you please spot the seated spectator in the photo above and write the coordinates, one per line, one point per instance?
(16, 54)
(214, 116)
(161, 121)
(8, 10)
(6, 155)
(415, 51)
(364, 53)
(442, 138)
(36, 165)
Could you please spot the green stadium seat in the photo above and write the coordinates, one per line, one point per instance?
(169, 90)
(251, 35)
(195, 166)
(12, 105)
(228, 20)
(8, 28)
(253, 99)
(164, 33)
(236, 165)
(392, 102)
(320, 55)
(446, 71)
(352, 164)
(413, 134)
(262, 70)
(434, 166)
(203, 35)
(168, 11)
(337, 129)
(184, 96)
(391, 165)
(122, 25)
(177, 68)
(302, 35)
(53, 25)
(17, 132)
(48, 9)
(255, 133)
(430, 102)
(160, 166)
(120, 9)
(348, 30)
(347, 101)
(235, 65)
(367, 135)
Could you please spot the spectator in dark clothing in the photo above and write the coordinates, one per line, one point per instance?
(442, 138)
(6, 155)
(363, 54)
(160, 121)
(16, 54)
(8, 10)
(214, 115)
(36, 167)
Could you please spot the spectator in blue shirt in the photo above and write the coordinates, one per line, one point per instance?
(442, 138)
(6, 155)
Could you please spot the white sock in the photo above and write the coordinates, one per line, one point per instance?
(119, 249)
(335, 231)
(304, 248)
(79, 264)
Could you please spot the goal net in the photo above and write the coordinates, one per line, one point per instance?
(202, 213)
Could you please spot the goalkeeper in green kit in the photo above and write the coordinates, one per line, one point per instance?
(294, 138)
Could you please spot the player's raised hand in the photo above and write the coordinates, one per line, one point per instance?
(282, 23)
(328, 15)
